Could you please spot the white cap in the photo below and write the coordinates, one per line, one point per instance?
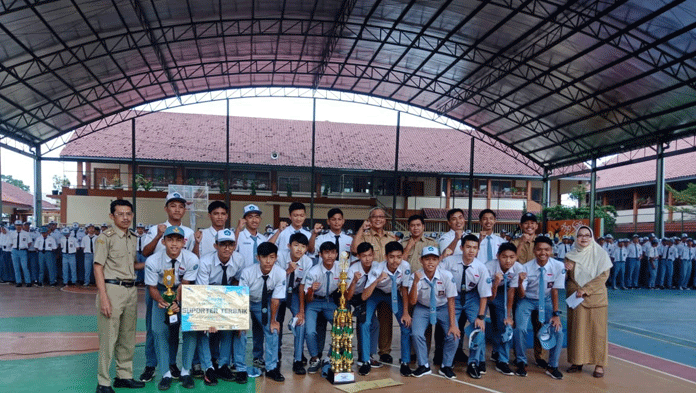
(251, 209)
(430, 250)
(224, 235)
(175, 197)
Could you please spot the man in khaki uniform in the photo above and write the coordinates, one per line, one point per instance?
(416, 241)
(525, 244)
(115, 262)
(372, 231)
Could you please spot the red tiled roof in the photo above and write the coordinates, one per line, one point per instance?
(649, 227)
(502, 215)
(677, 166)
(16, 197)
(197, 137)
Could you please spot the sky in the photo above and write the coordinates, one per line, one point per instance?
(21, 167)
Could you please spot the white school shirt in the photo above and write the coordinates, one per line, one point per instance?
(495, 241)
(48, 241)
(86, 244)
(669, 252)
(653, 253)
(445, 287)
(284, 238)
(252, 277)
(68, 245)
(692, 254)
(344, 242)
(446, 239)
(303, 265)
(140, 243)
(646, 247)
(317, 273)
(3, 241)
(23, 238)
(189, 241)
(620, 254)
(685, 254)
(33, 236)
(635, 250)
(563, 249)
(402, 274)
(207, 244)
(186, 267)
(210, 271)
(554, 278)
(245, 245)
(477, 276)
(494, 268)
(360, 284)
(608, 247)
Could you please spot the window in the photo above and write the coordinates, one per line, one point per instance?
(160, 176)
(295, 181)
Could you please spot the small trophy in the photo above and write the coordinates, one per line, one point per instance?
(342, 333)
(171, 318)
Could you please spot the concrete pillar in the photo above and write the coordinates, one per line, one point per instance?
(660, 191)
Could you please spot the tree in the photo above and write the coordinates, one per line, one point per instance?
(15, 182)
(560, 212)
(578, 194)
(686, 198)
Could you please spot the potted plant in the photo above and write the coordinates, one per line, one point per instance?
(58, 183)
(253, 188)
(142, 182)
(116, 183)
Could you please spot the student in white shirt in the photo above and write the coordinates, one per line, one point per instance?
(653, 256)
(619, 256)
(298, 215)
(87, 246)
(335, 234)
(488, 241)
(68, 245)
(45, 245)
(20, 255)
(538, 284)
(633, 257)
(218, 212)
(456, 222)
(359, 271)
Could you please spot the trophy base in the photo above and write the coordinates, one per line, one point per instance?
(340, 378)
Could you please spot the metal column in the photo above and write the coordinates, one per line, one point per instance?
(471, 185)
(226, 192)
(593, 192)
(545, 197)
(660, 192)
(8, 219)
(37, 187)
(396, 169)
(134, 168)
(314, 146)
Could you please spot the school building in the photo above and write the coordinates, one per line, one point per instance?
(18, 204)
(631, 189)
(271, 165)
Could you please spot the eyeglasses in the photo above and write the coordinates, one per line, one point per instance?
(588, 235)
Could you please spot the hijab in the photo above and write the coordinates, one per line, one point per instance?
(590, 261)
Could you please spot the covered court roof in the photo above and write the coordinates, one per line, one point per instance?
(556, 82)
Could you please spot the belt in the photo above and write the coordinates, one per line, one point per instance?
(127, 284)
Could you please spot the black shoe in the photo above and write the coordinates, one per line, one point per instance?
(314, 366)
(304, 360)
(187, 382)
(18, 285)
(448, 372)
(421, 370)
(197, 371)
(298, 368)
(375, 363)
(209, 377)
(386, 358)
(503, 368)
(128, 383)
(541, 363)
(241, 377)
(275, 374)
(259, 363)
(165, 383)
(148, 374)
(364, 369)
(405, 370)
(495, 356)
(521, 370)
(104, 389)
(215, 364)
(38, 284)
(554, 373)
(174, 370)
(482, 368)
(29, 285)
(54, 284)
(472, 370)
(225, 373)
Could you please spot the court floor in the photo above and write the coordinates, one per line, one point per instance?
(48, 343)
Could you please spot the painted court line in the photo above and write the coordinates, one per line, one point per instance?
(434, 374)
(658, 336)
(685, 368)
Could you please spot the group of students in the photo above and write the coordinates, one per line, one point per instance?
(657, 259)
(451, 283)
(34, 256)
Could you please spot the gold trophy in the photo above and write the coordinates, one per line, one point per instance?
(168, 279)
(342, 333)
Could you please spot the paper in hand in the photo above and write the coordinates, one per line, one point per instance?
(573, 301)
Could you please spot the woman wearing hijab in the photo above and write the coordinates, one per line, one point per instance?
(587, 269)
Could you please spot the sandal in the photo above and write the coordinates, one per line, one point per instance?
(598, 374)
(575, 368)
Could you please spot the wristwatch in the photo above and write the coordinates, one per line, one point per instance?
(557, 313)
(481, 317)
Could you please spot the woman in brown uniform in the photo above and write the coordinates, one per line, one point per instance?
(587, 269)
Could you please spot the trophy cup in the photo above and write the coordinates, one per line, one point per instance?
(342, 333)
(171, 318)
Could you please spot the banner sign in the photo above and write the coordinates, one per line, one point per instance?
(218, 306)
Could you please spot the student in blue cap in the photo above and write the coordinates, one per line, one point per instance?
(537, 289)
(433, 294)
(45, 245)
